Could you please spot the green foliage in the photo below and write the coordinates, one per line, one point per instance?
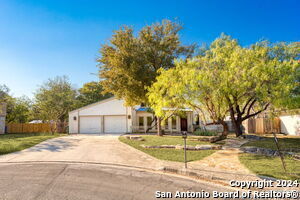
(130, 64)
(91, 92)
(204, 133)
(54, 99)
(227, 78)
(20, 111)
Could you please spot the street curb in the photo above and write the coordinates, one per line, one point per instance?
(207, 178)
(195, 175)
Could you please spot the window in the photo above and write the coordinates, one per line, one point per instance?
(166, 124)
(174, 122)
(141, 122)
(196, 119)
(149, 122)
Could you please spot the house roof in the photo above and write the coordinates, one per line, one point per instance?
(142, 109)
(146, 109)
(93, 104)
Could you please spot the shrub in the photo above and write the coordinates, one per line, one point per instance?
(205, 133)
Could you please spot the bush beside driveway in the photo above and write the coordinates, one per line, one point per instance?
(18, 141)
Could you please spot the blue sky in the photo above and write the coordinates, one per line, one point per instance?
(47, 38)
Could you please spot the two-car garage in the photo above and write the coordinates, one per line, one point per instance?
(102, 124)
(107, 116)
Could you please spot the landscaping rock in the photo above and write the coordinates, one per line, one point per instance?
(208, 147)
(168, 146)
(138, 138)
(178, 146)
(249, 149)
(296, 156)
(150, 147)
(252, 137)
(203, 147)
(188, 147)
(264, 151)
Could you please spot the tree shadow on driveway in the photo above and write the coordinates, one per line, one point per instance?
(55, 145)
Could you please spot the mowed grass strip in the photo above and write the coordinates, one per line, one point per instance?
(168, 154)
(18, 141)
(271, 166)
(288, 143)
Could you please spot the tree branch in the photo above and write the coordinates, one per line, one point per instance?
(253, 114)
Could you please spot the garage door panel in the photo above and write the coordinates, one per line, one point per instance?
(114, 124)
(90, 125)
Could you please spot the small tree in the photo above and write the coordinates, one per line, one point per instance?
(54, 99)
(189, 84)
(20, 110)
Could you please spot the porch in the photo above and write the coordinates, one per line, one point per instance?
(174, 124)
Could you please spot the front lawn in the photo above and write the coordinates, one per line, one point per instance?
(18, 141)
(285, 143)
(168, 154)
(271, 166)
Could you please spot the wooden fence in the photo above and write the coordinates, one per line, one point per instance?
(28, 128)
(262, 125)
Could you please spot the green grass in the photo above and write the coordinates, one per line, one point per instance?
(18, 141)
(289, 144)
(168, 154)
(271, 166)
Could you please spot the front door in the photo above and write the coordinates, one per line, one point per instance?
(183, 124)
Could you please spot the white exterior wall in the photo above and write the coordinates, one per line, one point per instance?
(73, 124)
(109, 107)
(290, 124)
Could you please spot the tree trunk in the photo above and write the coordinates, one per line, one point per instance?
(236, 122)
(159, 131)
(224, 134)
(225, 128)
(237, 125)
(53, 127)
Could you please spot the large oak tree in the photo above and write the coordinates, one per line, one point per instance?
(130, 63)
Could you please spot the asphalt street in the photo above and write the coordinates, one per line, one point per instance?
(87, 181)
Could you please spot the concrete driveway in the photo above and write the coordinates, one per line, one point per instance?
(106, 149)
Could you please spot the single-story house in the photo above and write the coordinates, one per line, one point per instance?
(112, 116)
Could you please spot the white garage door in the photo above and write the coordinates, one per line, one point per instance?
(114, 124)
(90, 125)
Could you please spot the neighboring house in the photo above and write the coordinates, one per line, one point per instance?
(2, 117)
(36, 122)
(290, 124)
(111, 116)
